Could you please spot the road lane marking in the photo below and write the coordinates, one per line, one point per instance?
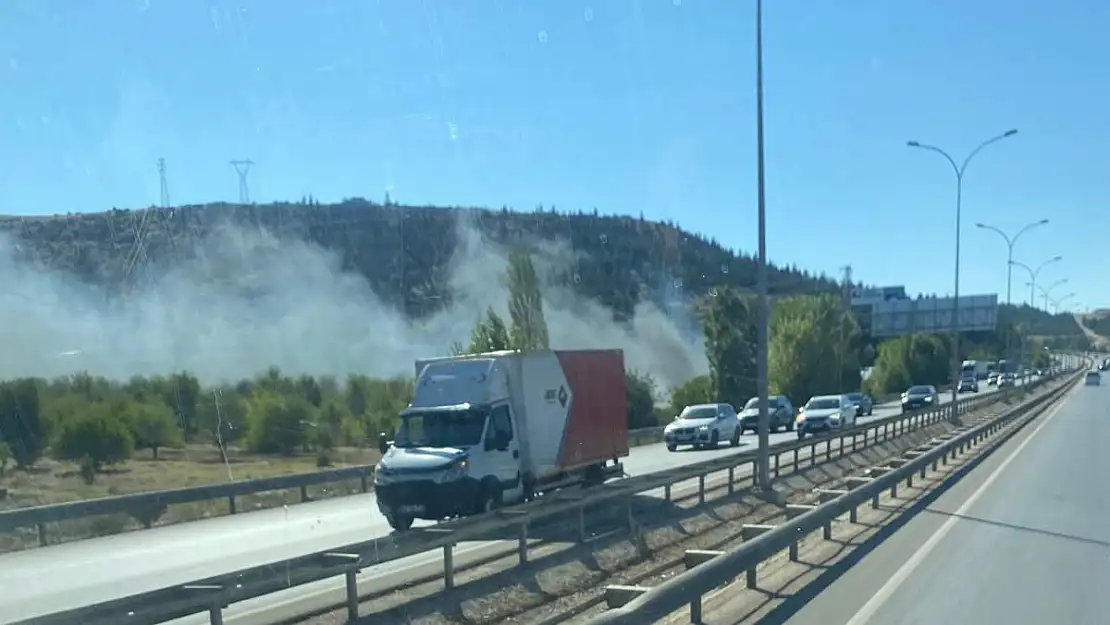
(868, 610)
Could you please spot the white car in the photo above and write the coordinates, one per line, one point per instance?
(703, 425)
(825, 413)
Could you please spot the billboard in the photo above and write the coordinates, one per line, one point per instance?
(892, 317)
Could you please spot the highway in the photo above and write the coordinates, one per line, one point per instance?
(1023, 539)
(70, 575)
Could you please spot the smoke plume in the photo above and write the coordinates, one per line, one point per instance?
(246, 301)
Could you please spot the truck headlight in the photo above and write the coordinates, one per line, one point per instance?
(456, 471)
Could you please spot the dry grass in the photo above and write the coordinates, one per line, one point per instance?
(55, 482)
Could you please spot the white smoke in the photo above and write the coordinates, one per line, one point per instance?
(246, 301)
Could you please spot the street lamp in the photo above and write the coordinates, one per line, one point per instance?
(1033, 273)
(959, 171)
(1010, 242)
(763, 456)
(1047, 292)
(1057, 303)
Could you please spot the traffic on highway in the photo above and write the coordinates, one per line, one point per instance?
(1021, 539)
(71, 575)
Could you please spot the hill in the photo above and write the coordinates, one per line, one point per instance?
(430, 272)
(620, 261)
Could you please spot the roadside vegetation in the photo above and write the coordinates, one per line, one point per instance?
(87, 436)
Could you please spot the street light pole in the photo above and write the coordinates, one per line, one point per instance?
(1010, 242)
(1033, 273)
(1047, 292)
(763, 460)
(1058, 303)
(959, 171)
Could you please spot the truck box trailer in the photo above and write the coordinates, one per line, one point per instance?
(484, 430)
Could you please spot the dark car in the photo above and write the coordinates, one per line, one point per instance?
(918, 397)
(968, 385)
(780, 414)
(863, 403)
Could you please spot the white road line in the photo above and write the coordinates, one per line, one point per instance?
(865, 613)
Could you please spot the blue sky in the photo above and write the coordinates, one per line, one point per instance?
(623, 105)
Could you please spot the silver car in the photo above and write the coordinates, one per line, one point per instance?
(703, 425)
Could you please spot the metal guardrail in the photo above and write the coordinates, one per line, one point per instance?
(213, 594)
(710, 571)
(147, 507)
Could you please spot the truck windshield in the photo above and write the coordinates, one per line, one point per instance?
(440, 428)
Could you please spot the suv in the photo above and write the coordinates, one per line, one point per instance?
(780, 414)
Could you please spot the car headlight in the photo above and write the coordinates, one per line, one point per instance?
(929, 399)
(703, 428)
(456, 471)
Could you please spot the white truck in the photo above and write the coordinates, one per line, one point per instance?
(977, 369)
(485, 430)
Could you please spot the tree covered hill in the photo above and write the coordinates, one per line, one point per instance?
(404, 251)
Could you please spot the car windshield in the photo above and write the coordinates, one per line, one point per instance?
(700, 412)
(921, 390)
(772, 402)
(823, 403)
(440, 428)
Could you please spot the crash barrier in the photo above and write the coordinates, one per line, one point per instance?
(213, 594)
(147, 508)
(708, 571)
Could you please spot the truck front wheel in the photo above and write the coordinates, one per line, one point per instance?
(490, 497)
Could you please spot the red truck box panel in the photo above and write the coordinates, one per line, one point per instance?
(597, 420)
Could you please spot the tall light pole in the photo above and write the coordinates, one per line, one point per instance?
(1059, 302)
(1033, 273)
(763, 460)
(959, 171)
(1047, 291)
(1010, 242)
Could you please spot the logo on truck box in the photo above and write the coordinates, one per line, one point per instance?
(551, 396)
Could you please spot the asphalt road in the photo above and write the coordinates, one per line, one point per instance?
(1023, 539)
(70, 575)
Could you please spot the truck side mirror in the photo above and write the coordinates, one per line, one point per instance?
(383, 444)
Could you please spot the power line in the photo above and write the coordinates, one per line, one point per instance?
(242, 168)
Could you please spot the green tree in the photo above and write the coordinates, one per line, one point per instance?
(908, 360)
(21, 425)
(729, 325)
(183, 396)
(153, 426)
(814, 347)
(641, 403)
(488, 335)
(276, 423)
(96, 438)
(529, 327)
(698, 390)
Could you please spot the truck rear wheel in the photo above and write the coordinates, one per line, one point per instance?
(400, 522)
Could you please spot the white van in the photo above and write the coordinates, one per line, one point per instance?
(1093, 378)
